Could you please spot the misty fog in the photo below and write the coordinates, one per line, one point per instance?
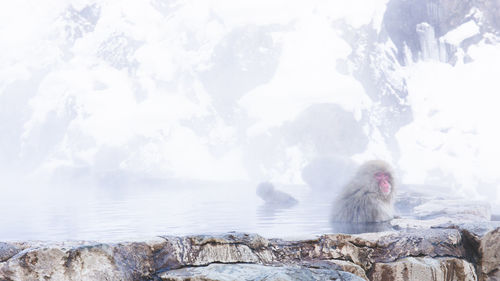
(126, 119)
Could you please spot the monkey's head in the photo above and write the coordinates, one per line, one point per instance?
(379, 178)
(265, 189)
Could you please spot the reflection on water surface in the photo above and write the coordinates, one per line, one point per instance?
(108, 214)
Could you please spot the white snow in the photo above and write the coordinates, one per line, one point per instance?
(454, 135)
(306, 75)
(459, 34)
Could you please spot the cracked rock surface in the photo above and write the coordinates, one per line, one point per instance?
(442, 253)
(257, 272)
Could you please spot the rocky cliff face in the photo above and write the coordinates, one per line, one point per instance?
(412, 31)
(423, 29)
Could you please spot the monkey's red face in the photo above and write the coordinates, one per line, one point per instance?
(384, 184)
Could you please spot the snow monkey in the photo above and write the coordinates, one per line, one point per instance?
(274, 197)
(368, 197)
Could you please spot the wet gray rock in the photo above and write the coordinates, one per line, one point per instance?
(361, 251)
(417, 243)
(478, 234)
(465, 210)
(340, 265)
(7, 251)
(249, 256)
(425, 268)
(489, 252)
(420, 208)
(227, 272)
(203, 250)
(83, 261)
(477, 229)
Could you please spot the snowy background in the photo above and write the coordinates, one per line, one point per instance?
(109, 92)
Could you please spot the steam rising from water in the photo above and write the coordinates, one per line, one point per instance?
(113, 94)
(169, 88)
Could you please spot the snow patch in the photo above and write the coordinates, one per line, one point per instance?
(459, 34)
(452, 140)
(306, 75)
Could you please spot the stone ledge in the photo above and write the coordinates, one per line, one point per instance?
(437, 252)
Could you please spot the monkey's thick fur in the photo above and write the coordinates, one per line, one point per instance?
(361, 200)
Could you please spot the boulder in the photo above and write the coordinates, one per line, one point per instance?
(489, 251)
(202, 257)
(229, 272)
(424, 268)
(83, 261)
(7, 251)
(465, 210)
